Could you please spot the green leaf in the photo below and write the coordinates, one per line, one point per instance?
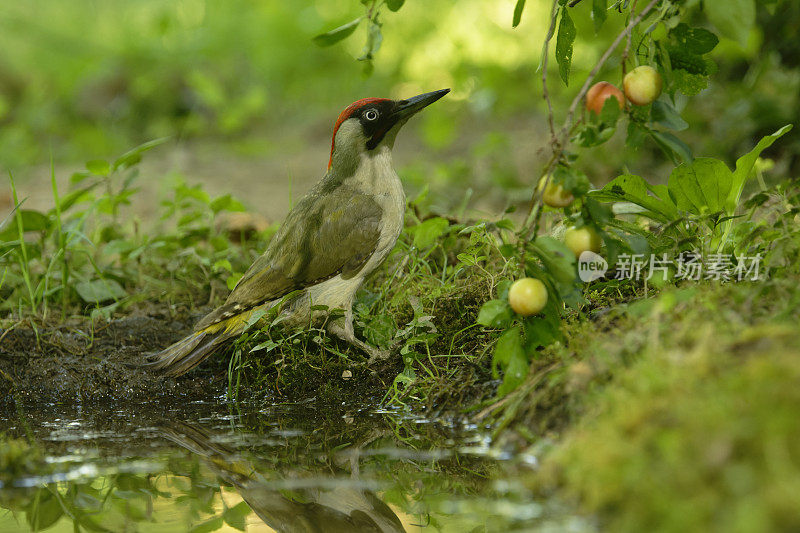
(599, 8)
(208, 526)
(98, 167)
(100, 290)
(235, 516)
(502, 288)
(334, 36)
(518, 9)
(132, 157)
(395, 5)
(688, 68)
(30, 219)
(676, 149)
(634, 189)
(701, 186)
(610, 112)
(368, 68)
(44, 511)
(543, 329)
(599, 213)
(564, 41)
(510, 356)
(558, 260)
(745, 164)
(636, 134)
(428, 232)
(222, 264)
(515, 373)
(733, 18)
(495, 314)
(233, 279)
(74, 197)
(373, 44)
(226, 203)
(572, 179)
(695, 41)
(379, 330)
(663, 114)
(688, 83)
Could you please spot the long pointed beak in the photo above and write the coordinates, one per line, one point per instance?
(407, 108)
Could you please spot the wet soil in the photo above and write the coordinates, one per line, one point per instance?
(78, 361)
(73, 363)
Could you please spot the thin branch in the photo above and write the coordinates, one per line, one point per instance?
(574, 3)
(551, 123)
(563, 134)
(627, 45)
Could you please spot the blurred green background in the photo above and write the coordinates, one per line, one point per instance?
(248, 100)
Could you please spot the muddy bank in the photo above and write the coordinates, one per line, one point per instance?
(74, 362)
(78, 361)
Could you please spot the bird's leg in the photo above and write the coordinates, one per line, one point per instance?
(343, 328)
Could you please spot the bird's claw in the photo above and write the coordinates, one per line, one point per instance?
(382, 354)
(377, 354)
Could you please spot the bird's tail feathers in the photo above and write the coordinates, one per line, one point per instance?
(188, 352)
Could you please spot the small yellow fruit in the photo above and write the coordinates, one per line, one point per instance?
(583, 239)
(555, 195)
(527, 296)
(642, 85)
(599, 93)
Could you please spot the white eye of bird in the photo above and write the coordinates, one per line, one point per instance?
(371, 114)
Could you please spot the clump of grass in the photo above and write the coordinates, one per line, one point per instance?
(88, 255)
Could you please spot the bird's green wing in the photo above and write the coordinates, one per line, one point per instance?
(325, 235)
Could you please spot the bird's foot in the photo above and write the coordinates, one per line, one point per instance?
(375, 354)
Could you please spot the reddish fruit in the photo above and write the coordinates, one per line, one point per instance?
(599, 93)
(642, 85)
(527, 296)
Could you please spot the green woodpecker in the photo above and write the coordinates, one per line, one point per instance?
(334, 237)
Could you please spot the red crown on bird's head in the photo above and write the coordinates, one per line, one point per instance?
(348, 112)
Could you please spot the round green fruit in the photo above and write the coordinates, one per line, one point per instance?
(555, 195)
(527, 296)
(581, 240)
(642, 85)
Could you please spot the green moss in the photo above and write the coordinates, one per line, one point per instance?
(699, 431)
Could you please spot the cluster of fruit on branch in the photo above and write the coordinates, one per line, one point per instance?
(642, 86)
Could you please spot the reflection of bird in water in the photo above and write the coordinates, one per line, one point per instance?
(339, 510)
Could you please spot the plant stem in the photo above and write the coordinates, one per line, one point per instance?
(545, 57)
(61, 242)
(23, 248)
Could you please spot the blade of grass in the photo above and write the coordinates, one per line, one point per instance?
(61, 242)
(23, 249)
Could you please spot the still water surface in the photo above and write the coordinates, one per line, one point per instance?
(215, 466)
